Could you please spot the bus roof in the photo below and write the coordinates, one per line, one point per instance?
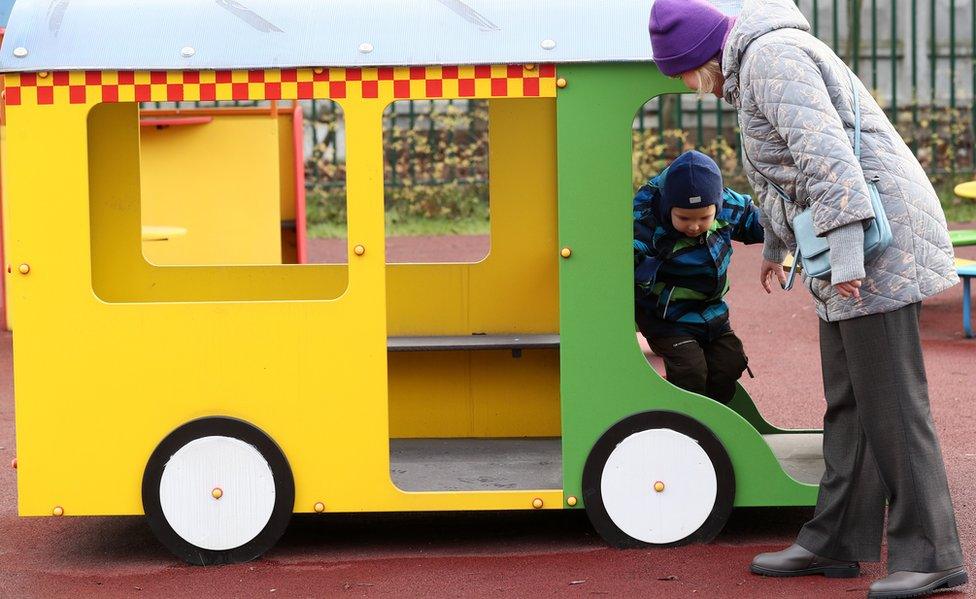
(53, 35)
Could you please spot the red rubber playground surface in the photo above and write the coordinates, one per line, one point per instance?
(508, 554)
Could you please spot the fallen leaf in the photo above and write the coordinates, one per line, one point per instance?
(577, 581)
(671, 577)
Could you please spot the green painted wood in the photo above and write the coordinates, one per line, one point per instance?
(604, 376)
(963, 237)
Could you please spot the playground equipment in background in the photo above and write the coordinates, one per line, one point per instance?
(512, 383)
(964, 237)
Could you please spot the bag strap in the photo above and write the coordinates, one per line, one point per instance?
(857, 115)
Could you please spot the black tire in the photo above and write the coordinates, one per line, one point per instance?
(284, 486)
(600, 453)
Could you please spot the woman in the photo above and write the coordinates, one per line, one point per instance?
(794, 100)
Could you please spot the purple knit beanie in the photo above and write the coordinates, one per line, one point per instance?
(685, 34)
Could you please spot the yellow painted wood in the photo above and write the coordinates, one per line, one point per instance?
(966, 190)
(6, 223)
(221, 182)
(286, 165)
(154, 233)
(474, 394)
(300, 357)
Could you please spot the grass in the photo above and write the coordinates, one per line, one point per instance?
(957, 210)
(404, 227)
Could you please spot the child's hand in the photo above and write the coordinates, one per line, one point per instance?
(770, 268)
(849, 289)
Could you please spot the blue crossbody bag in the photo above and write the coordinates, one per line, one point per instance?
(814, 251)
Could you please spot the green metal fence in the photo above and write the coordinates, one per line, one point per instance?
(916, 56)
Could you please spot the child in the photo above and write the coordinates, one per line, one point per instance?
(684, 224)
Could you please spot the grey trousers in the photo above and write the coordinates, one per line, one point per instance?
(880, 443)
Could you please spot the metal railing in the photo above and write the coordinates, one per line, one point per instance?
(916, 57)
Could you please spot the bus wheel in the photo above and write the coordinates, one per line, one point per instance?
(658, 479)
(218, 491)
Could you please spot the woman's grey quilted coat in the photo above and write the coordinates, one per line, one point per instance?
(793, 96)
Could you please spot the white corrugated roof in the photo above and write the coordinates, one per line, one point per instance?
(221, 34)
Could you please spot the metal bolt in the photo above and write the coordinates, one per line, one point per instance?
(58, 511)
(20, 52)
(561, 83)
(566, 253)
(187, 51)
(43, 74)
(571, 501)
(365, 47)
(530, 67)
(548, 44)
(319, 507)
(217, 493)
(659, 486)
(319, 70)
(24, 269)
(537, 503)
(359, 250)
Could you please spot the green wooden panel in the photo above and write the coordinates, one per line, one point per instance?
(604, 376)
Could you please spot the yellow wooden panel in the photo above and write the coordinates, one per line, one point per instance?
(286, 165)
(966, 190)
(102, 378)
(220, 182)
(7, 228)
(474, 394)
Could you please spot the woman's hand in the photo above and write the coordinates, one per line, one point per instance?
(769, 269)
(849, 289)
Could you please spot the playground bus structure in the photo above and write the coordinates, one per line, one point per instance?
(219, 399)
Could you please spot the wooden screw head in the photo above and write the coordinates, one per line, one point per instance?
(319, 507)
(571, 501)
(561, 83)
(537, 503)
(58, 511)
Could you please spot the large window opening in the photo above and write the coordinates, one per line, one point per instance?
(663, 129)
(202, 203)
(472, 303)
(436, 172)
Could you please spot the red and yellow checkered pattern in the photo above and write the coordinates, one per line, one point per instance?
(383, 83)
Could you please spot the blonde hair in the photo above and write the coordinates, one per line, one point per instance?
(708, 74)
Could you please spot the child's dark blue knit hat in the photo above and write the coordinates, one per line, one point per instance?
(692, 181)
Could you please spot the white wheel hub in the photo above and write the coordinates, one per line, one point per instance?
(217, 493)
(658, 486)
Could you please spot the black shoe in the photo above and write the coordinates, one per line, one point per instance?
(797, 561)
(917, 584)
